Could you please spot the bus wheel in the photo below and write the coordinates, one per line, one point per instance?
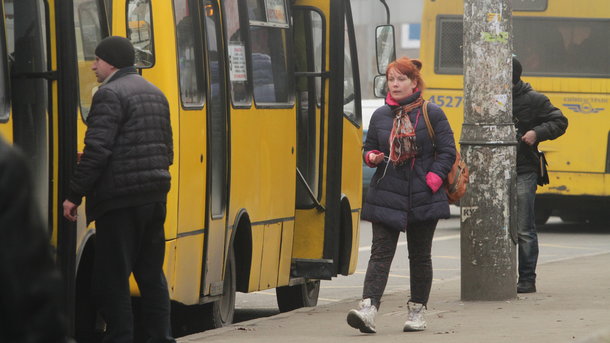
(292, 297)
(220, 313)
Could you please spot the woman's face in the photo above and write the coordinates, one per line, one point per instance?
(399, 85)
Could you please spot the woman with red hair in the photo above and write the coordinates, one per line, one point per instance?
(405, 192)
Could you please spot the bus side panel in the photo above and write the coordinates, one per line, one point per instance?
(6, 130)
(271, 255)
(308, 235)
(351, 178)
(285, 253)
(353, 261)
(186, 284)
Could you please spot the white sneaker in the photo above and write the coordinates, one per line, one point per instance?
(363, 318)
(415, 318)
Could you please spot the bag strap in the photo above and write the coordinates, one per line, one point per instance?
(428, 125)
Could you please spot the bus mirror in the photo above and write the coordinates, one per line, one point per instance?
(380, 86)
(386, 52)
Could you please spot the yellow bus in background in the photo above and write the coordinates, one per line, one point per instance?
(564, 47)
(265, 109)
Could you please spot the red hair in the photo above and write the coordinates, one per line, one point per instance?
(410, 67)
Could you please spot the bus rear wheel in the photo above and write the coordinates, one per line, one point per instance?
(292, 297)
(220, 313)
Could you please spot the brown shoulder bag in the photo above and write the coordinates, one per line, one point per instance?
(457, 179)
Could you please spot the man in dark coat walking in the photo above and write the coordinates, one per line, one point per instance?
(124, 173)
(536, 120)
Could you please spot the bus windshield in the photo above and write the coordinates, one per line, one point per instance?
(546, 46)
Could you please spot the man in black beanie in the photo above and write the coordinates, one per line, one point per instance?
(536, 120)
(124, 173)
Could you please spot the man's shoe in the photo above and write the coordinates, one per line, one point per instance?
(526, 287)
(363, 318)
(415, 318)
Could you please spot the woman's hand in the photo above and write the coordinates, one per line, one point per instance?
(375, 158)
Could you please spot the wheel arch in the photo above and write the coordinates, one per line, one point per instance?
(346, 236)
(241, 239)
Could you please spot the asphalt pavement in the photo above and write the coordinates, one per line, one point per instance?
(572, 305)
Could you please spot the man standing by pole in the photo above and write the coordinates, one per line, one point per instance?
(124, 173)
(488, 144)
(536, 120)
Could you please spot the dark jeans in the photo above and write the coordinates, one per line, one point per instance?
(419, 243)
(132, 240)
(526, 226)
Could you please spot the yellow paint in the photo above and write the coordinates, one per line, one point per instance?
(308, 234)
(271, 256)
(353, 262)
(187, 274)
(6, 129)
(285, 253)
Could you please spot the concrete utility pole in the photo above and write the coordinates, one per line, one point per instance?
(488, 144)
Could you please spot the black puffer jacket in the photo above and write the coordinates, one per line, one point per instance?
(31, 287)
(534, 111)
(398, 196)
(128, 146)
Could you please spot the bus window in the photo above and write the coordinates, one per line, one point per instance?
(563, 47)
(545, 46)
(349, 93)
(236, 50)
(190, 60)
(317, 28)
(449, 41)
(271, 12)
(88, 33)
(268, 45)
(139, 31)
(309, 48)
(27, 47)
(217, 112)
(108, 9)
(5, 96)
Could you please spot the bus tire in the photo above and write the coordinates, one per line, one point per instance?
(542, 216)
(220, 313)
(293, 297)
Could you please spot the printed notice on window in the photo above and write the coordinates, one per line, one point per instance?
(275, 11)
(237, 62)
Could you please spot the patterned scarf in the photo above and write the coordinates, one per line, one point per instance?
(402, 137)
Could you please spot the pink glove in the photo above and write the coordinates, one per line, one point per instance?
(434, 181)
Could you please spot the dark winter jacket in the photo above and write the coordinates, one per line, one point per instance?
(31, 287)
(534, 111)
(398, 196)
(128, 146)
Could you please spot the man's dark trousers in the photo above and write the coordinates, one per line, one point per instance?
(132, 240)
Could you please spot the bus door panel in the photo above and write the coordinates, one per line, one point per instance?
(27, 50)
(311, 41)
(192, 173)
(6, 124)
(218, 151)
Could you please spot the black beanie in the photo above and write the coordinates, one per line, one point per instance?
(117, 51)
(517, 70)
